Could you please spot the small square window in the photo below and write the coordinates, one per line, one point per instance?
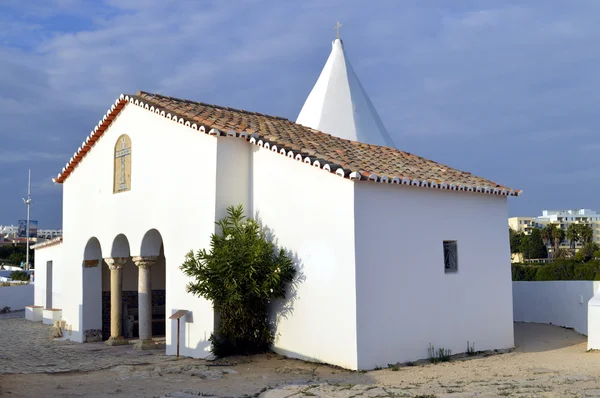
(450, 256)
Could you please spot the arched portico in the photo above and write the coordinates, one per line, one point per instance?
(91, 308)
(120, 254)
(151, 257)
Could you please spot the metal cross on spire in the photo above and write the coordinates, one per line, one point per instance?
(337, 27)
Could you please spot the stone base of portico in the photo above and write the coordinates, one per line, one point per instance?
(34, 313)
(51, 315)
(113, 341)
(144, 344)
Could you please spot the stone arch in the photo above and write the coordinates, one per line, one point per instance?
(151, 265)
(151, 243)
(120, 246)
(92, 252)
(91, 303)
(122, 164)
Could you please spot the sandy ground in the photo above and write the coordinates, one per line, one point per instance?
(548, 361)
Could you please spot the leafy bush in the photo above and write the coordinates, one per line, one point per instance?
(241, 274)
(562, 270)
(19, 276)
(586, 253)
(16, 258)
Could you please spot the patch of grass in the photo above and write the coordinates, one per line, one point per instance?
(441, 355)
(394, 367)
(471, 349)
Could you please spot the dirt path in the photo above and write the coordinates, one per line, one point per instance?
(547, 362)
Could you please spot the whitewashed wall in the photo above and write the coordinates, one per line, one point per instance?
(310, 212)
(58, 284)
(172, 191)
(405, 300)
(561, 303)
(16, 297)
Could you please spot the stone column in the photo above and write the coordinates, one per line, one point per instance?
(116, 264)
(144, 301)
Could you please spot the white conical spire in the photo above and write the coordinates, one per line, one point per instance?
(338, 104)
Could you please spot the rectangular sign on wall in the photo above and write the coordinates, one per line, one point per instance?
(22, 230)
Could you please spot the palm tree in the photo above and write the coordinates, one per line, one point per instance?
(573, 235)
(546, 234)
(557, 236)
(586, 233)
(563, 254)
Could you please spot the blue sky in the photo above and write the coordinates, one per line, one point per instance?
(505, 89)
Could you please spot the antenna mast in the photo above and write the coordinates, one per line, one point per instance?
(28, 203)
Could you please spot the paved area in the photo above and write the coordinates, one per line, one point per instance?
(548, 361)
(28, 348)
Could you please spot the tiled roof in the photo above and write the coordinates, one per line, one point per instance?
(47, 243)
(349, 159)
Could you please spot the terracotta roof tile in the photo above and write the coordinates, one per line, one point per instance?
(352, 156)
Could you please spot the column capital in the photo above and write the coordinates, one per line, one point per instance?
(144, 261)
(115, 263)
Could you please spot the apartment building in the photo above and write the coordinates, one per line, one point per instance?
(561, 218)
(10, 232)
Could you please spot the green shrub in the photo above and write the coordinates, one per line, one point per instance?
(524, 272)
(557, 271)
(16, 258)
(241, 274)
(560, 270)
(19, 276)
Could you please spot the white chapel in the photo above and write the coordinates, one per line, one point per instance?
(390, 249)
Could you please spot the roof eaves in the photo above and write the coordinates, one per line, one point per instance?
(307, 156)
(47, 243)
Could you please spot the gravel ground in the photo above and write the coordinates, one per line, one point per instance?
(548, 361)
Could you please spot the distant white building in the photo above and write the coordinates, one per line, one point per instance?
(387, 260)
(47, 234)
(562, 219)
(11, 231)
(8, 231)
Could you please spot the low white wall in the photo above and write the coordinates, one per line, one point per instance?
(16, 297)
(561, 303)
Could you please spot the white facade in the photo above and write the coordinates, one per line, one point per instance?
(320, 321)
(405, 300)
(368, 272)
(162, 199)
(371, 287)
